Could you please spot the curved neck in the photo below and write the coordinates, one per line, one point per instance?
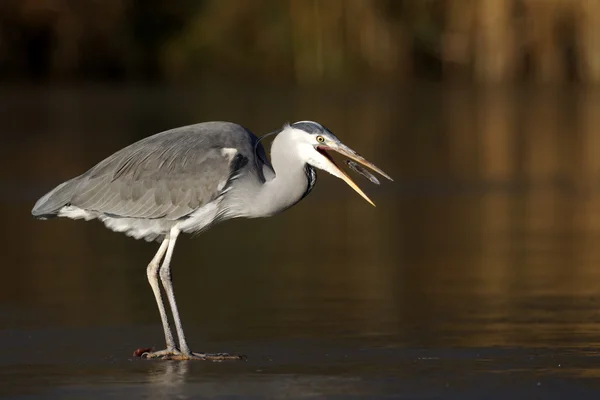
(290, 182)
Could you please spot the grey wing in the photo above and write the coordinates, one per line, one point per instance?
(166, 178)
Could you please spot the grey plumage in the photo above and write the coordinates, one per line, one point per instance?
(188, 178)
(161, 179)
(49, 204)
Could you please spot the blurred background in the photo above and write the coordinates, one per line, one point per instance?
(300, 41)
(479, 267)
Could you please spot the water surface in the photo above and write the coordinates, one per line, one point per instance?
(475, 277)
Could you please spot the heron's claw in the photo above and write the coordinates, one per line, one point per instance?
(178, 355)
(206, 357)
(165, 354)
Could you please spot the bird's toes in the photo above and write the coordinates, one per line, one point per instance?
(217, 356)
(166, 354)
(174, 354)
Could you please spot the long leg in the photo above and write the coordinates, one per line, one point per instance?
(184, 352)
(165, 277)
(152, 272)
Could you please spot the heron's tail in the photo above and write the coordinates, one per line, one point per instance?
(50, 204)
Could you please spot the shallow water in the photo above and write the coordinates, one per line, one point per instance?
(475, 277)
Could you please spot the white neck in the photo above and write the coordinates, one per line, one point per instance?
(290, 182)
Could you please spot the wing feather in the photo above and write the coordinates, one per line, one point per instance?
(168, 175)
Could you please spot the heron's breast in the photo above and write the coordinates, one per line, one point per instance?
(201, 218)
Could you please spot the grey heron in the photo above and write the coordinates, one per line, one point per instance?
(189, 178)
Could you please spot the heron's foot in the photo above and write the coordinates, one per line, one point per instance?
(165, 354)
(175, 354)
(205, 356)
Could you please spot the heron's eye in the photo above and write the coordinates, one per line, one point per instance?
(320, 139)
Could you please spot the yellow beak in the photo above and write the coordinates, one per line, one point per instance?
(351, 154)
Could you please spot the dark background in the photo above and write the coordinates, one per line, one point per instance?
(300, 42)
(475, 277)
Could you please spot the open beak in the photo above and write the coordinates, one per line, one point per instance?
(351, 154)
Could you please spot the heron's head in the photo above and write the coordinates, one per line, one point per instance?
(314, 141)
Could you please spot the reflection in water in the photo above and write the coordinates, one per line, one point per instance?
(167, 379)
(172, 380)
(488, 237)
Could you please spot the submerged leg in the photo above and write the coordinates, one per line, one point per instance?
(165, 277)
(152, 272)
